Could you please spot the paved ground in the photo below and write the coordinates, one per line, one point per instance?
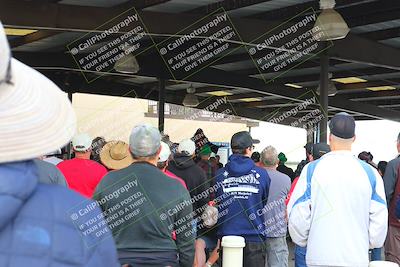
(291, 254)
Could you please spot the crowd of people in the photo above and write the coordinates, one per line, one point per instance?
(152, 202)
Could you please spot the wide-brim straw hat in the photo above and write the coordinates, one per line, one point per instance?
(36, 117)
(115, 155)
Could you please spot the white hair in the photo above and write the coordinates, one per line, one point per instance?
(269, 156)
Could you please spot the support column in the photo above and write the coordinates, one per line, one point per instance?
(161, 104)
(323, 95)
(310, 134)
(317, 134)
(68, 146)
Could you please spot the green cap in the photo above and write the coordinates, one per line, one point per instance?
(282, 157)
(205, 150)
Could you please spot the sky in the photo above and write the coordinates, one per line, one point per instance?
(377, 137)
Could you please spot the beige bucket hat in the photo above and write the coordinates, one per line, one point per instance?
(36, 117)
(115, 155)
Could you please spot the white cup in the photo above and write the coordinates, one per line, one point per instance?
(383, 264)
(232, 251)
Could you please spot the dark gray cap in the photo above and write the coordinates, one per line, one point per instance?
(343, 125)
(144, 140)
(308, 147)
(242, 140)
(320, 149)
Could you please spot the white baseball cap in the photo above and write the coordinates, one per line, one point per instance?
(36, 117)
(187, 146)
(82, 142)
(165, 152)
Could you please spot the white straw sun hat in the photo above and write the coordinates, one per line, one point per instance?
(36, 118)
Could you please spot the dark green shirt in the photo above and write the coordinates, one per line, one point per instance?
(143, 206)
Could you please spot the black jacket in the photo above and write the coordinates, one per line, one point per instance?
(286, 170)
(196, 180)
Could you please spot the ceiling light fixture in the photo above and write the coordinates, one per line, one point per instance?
(18, 32)
(219, 93)
(250, 99)
(330, 25)
(349, 80)
(127, 64)
(332, 90)
(191, 100)
(293, 85)
(381, 88)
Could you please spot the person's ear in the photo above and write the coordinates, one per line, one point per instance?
(158, 152)
(354, 138)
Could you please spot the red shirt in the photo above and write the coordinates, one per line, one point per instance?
(291, 189)
(173, 176)
(82, 175)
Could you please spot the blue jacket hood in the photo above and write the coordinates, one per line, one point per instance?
(17, 182)
(239, 164)
(36, 224)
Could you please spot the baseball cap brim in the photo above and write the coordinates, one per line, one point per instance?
(36, 117)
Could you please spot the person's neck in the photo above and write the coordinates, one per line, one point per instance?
(85, 155)
(272, 168)
(152, 162)
(341, 148)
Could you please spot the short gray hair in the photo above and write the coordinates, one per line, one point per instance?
(269, 156)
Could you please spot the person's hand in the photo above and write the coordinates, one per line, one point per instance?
(195, 261)
(214, 254)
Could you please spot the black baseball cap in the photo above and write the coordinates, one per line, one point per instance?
(242, 140)
(308, 147)
(320, 149)
(343, 125)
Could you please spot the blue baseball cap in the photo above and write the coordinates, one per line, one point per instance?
(343, 125)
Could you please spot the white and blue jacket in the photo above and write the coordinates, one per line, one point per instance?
(338, 210)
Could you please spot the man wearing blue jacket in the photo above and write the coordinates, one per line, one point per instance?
(38, 222)
(242, 193)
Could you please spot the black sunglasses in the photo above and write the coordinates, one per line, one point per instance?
(7, 78)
